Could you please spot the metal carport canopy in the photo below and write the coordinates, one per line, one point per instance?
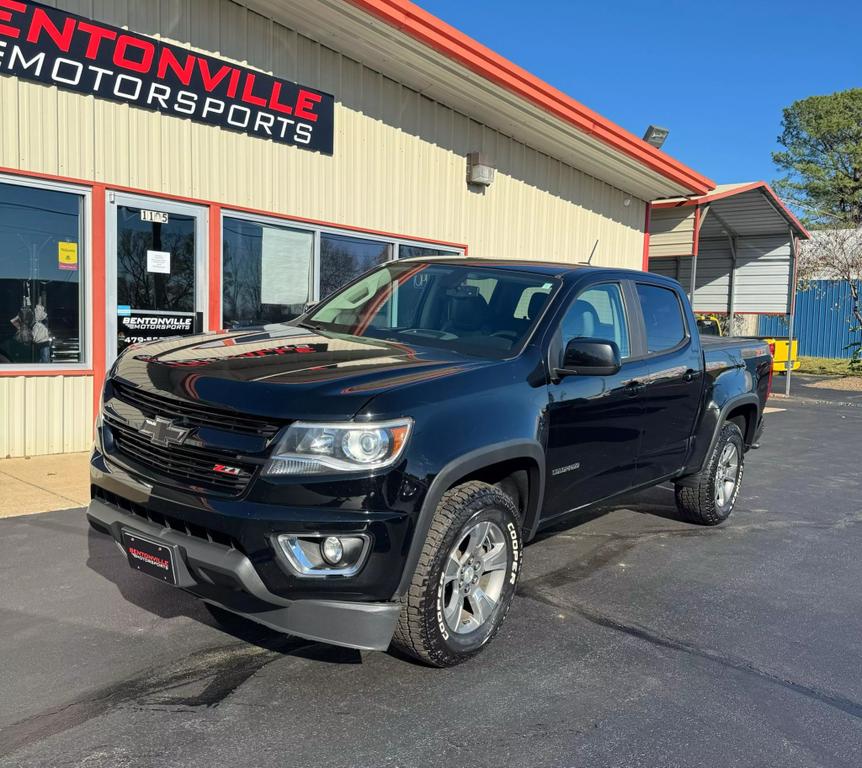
(734, 249)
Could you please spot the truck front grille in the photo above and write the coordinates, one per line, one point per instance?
(191, 413)
(189, 466)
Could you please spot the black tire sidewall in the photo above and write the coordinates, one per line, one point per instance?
(470, 643)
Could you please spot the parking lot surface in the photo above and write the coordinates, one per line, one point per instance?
(636, 640)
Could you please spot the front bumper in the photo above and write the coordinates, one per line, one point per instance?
(224, 576)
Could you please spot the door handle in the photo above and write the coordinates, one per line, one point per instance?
(689, 375)
(634, 388)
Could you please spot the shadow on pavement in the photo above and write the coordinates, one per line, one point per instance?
(166, 602)
(657, 501)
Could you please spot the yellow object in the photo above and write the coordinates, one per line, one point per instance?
(779, 362)
(709, 325)
(67, 255)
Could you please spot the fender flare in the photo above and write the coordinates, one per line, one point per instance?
(749, 398)
(461, 467)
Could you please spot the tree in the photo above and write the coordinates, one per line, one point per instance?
(836, 254)
(822, 158)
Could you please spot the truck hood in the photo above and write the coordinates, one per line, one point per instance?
(283, 371)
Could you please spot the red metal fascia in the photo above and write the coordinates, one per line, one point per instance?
(445, 39)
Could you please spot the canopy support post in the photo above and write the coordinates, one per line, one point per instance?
(694, 249)
(791, 297)
(731, 294)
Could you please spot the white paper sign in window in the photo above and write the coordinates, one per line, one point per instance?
(285, 261)
(159, 262)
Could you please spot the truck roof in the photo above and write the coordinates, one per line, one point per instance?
(551, 268)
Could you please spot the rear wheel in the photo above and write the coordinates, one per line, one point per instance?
(709, 497)
(466, 577)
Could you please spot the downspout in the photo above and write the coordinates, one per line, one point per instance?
(647, 212)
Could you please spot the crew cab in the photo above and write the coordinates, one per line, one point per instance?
(369, 473)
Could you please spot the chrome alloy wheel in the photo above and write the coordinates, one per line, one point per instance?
(726, 475)
(473, 577)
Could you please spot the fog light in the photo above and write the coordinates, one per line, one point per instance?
(332, 550)
(320, 555)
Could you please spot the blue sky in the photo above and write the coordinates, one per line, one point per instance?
(716, 73)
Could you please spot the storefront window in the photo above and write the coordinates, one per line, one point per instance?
(420, 251)
(266, 272)
(344, 258)
(41, 261)
(268, 268)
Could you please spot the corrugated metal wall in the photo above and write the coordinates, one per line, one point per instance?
(822, 322)
(399, 162)
(45, 414)
(762, 262)
(671, 232)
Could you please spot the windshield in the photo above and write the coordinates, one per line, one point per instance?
(484, 312)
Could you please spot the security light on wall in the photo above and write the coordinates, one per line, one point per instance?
(479, 169)
(656, 135)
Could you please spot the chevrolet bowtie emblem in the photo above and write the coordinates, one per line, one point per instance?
(163, 431)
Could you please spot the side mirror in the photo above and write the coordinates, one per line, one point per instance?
(590, 357)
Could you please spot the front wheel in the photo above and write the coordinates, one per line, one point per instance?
(466, 576)
(709, 497)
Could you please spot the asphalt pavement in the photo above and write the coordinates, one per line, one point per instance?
(636, 640)
(827, 389)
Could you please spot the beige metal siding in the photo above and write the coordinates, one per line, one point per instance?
(399, 166)
(45, 414)
(671, 232)
(399, 157)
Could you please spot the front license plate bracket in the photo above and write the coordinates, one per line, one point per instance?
(150, 557)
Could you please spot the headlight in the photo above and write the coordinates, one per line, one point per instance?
(316, 449)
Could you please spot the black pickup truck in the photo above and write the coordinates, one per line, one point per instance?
(369, 473)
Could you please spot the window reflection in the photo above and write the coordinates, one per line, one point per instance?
(421, 252)
(266, 272)
(344, 258)
(137, 286)
(41, 260)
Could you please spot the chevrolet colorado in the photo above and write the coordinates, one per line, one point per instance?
(369, 473)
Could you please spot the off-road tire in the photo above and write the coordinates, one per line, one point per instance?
(421, 631)
(696, 498)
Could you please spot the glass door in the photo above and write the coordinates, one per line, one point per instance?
(157, 278)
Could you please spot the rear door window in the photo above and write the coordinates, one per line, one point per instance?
(663, 319)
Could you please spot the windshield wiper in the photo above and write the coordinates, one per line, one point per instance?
(309, 326)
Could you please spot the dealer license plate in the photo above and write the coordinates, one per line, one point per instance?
(150, 557)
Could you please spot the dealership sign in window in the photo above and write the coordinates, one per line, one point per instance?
(68, 51)
(137, 326)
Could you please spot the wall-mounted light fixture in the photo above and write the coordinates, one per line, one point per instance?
(479, 169)
(656, 135)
